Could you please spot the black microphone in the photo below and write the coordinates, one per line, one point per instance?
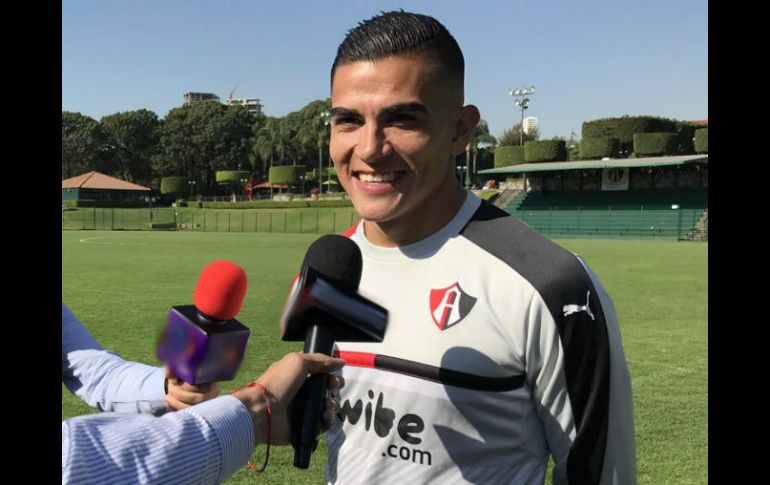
(326, 308)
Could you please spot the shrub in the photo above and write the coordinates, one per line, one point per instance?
(702, 140)
(506, 156)
(599, 147)
(655, 144)
(286, 174)
(624, 129)
(173, 185)
(231, 177)
(545, 151)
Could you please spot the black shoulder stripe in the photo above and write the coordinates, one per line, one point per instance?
(567, 290)
(447, 377)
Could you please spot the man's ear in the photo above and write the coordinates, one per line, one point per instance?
(466, 123)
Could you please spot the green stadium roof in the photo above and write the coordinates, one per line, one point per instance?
(592, 164)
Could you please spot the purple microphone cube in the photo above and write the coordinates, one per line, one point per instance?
(198, 351)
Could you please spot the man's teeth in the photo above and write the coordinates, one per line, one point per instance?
(377, 177)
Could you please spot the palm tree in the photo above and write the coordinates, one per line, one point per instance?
(316, 131)
(265, 140)
(480, 135)
(283, 138)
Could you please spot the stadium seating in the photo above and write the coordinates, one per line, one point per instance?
(636, 214)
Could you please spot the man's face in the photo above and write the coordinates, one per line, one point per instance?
(394, 136)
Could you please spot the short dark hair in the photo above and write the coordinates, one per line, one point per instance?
(398, 33)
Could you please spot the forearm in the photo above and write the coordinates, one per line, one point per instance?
(104, 380)
(109, 383)
(206, 443)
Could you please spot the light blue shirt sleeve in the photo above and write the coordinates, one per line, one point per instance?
(202, 444)
(104, 380)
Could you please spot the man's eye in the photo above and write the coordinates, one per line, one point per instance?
(345, 120)
(402, 119)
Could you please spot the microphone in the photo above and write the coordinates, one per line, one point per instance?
(326, 308)
(203, 342)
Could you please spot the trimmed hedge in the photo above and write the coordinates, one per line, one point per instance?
(545, 151)
(231, 177)
(600, 147)
(654, 144)
(286, 174)
(173, 185)
(507, 156)
(624, 128)
(276, 204)
(685, 133)
(311, 174)
(702, 140)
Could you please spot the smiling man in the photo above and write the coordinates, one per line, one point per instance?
(502, 348)
(396, 127)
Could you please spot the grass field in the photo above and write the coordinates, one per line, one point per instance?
(121, 285)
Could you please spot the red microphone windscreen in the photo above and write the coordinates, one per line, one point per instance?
(220, 290)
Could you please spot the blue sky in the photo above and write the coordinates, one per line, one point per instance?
(587, 59)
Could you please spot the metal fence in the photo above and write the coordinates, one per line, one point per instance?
(283, 221)
(678, 224)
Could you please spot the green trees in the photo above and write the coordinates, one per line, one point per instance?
(512, 136)
(200, 138)
(196, 141)
(314, 130)
(135, 134)
(85, 146)
(265, 140)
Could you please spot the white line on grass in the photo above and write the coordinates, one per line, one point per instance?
(90, 240)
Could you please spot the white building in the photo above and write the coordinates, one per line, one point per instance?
(530, 123)
(251, 104)
(190, 98)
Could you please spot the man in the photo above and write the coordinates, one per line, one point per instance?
(107, 382)
(502, 348)
(205, 442)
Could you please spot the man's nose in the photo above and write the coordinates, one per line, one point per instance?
(372, 145)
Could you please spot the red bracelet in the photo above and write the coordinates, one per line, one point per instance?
(269, 423)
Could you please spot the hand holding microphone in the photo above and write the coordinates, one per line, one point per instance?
(283, 380)
(326, 308)
(181, 395)
(203, 343)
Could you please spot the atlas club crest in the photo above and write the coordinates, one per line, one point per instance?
(450, 305)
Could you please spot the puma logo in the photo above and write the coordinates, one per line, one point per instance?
(570, 309)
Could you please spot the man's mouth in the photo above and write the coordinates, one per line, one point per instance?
(375, 178)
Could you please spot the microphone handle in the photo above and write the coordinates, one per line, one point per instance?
(308, 405)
